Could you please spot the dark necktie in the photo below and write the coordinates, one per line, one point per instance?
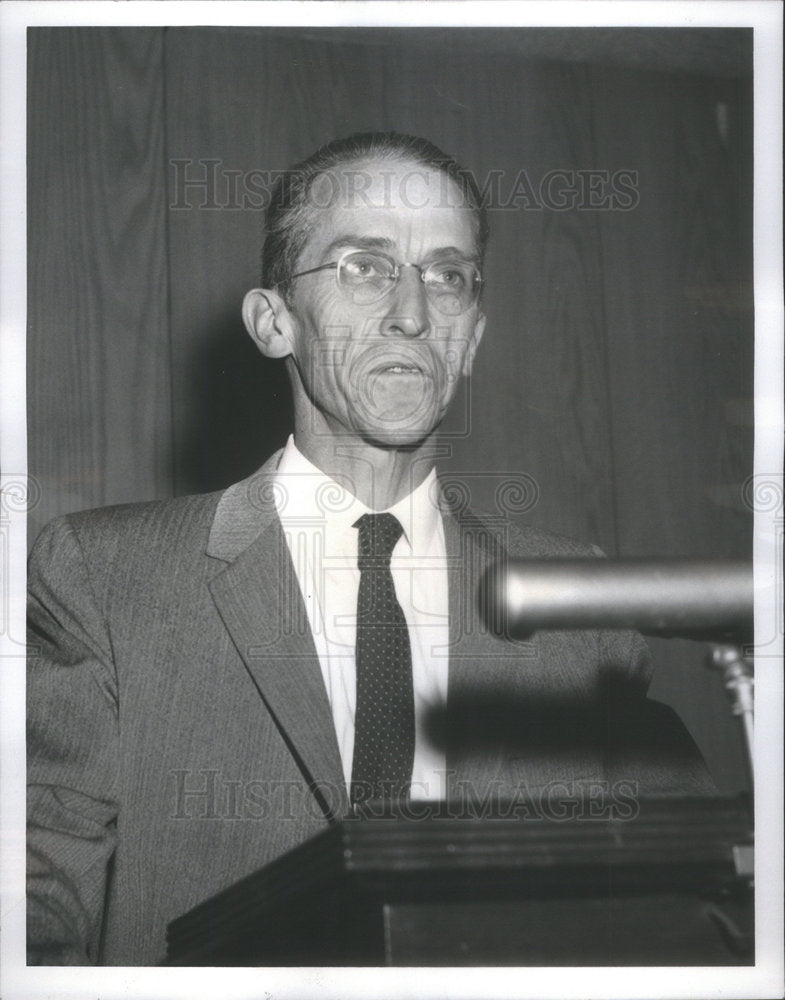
(384, 715)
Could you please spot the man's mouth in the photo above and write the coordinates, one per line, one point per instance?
(399, 370)
(386, 362)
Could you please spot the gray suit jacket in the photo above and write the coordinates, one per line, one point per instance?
(180, 735)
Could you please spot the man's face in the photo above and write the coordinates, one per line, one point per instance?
(385, 372)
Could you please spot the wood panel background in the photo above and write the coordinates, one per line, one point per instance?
(99, 422)
(616, 369)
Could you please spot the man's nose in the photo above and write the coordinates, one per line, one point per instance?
(407, 312)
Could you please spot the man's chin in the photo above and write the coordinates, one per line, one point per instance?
(397, 438)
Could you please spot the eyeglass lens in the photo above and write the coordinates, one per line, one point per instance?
(452, 286)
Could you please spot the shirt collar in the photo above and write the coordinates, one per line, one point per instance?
(306, 492)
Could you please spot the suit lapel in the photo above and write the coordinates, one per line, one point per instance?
(477, 663)
(259, 600)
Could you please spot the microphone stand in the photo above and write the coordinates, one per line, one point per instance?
(738, 675)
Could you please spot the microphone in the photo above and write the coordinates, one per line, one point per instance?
(702, 599)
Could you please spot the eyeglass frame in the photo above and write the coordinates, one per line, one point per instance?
(395, 275)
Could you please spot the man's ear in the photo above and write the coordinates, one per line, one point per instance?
(474, 343)
(269, 322)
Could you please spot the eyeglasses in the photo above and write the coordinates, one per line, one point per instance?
(365, 277)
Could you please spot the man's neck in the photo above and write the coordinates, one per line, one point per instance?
(378, 476)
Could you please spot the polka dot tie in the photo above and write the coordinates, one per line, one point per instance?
(384, 717)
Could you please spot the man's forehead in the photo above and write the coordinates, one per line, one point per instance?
(386, 183)
(378, 200)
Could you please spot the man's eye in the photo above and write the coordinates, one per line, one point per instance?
(451, 277)
(362, 267)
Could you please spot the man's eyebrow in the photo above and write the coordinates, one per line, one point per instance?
(359, 243)
(356, 242)
(452, 252)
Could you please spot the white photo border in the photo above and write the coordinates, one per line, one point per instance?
(763, 980)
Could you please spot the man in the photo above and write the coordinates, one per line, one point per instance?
(215, 679)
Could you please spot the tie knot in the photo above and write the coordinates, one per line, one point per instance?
(379, 534)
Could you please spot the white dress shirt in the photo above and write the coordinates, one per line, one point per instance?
(317, 515)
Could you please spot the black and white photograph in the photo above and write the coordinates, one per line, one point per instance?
(393, 467)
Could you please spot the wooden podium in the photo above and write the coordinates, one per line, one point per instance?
(670, 885)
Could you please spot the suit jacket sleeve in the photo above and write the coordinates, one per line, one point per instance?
(73, 755)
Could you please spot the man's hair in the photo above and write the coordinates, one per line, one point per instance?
(289, 217)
